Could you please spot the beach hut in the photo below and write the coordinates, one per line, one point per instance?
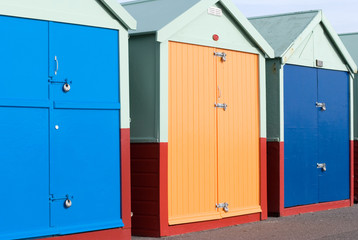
(64, 119)
(309, 114)
(198, 125)
(350, 40)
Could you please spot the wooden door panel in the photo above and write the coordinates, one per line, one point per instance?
(192, 156)
(238, 133)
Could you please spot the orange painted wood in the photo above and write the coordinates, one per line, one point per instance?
(238, 133)
(213, 155)
(192, 153)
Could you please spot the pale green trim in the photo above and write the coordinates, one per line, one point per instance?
(327, 65)
(282, 106)
(235, 47)
(301, 38)
(339, 44)
(62, 12)
(262, 86)
(187, 17)
(164, 92)
(355, 102)
(124, 78)
(120, 13)
(351, 106)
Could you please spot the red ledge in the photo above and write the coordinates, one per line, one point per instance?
(201, 226)
(118, 233)
(315, 207)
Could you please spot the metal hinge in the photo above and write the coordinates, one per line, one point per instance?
(224, 206)
(321, 105)
(322, 166)
(221, 54)
(221, 105)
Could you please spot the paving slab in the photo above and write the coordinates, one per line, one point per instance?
(327, 225)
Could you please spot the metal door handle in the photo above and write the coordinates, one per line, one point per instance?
(221, 105)
(56, 60)
(322, 166)
(321, 105)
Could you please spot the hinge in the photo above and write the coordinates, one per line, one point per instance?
(224, 206)
(221, 54)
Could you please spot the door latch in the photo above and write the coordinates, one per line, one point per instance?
(221, 54)
(224, 206)
(221, 105)
(67, 200)
(321, 105)
(322, 166)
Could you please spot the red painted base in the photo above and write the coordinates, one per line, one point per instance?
(275, 168)
(150, 194)
(315, 207)
(355, 170)
(110, 234)
(118, 233)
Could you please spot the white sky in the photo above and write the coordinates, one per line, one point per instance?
(342, 14)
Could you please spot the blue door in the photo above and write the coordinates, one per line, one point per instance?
(301, 135)
(333, 90)
(24, 109)
(316, 137)
(84, 128)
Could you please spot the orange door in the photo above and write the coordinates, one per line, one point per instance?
(213, 154)
(238, 133)
(192, 146)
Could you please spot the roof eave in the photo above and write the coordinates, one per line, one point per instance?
(320, 18)
(120, 13)
(166, 32)
(339, 45)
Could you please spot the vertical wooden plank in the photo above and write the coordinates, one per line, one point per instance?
(192, 156)
(238, 133)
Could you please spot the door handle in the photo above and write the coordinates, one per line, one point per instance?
(221, 105)
(56, 60)
(321, 105)
(322, 166)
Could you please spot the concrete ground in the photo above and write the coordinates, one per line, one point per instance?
(327, 225)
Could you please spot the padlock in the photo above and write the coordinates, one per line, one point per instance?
(66, 87)
(68, 203)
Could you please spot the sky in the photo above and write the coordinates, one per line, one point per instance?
(342, 14)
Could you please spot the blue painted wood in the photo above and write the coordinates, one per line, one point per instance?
(301, 135)
(23, 172)
(88, 57)
(23, 61)
(23, 131)
(333, 89)
(39, 164)
(85, 154)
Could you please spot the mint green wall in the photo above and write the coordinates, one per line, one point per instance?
(143, 63)
(317, 45)
(201, 30)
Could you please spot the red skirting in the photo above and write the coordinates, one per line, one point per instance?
(315, 207)
(355, 160)
(117, 233)
(150, 194)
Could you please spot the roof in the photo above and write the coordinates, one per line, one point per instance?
(165, 17)
(350, 40)
(286, 31)
(120, 13)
